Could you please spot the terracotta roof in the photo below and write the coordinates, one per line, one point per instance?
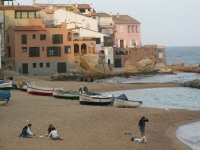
(87, 6)
(102, 14)
(28, 28)
(18, 7)
(124, 19)
(47, 5)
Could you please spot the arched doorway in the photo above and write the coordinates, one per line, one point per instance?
(83, 49)
(76, 49)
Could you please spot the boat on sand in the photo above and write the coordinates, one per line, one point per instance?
(66, 94)
(123, 102)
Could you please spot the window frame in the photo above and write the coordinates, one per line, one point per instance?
(41, 65)
(23, 38)
(57, 39)
(51, 52)
(24, 50)
(42, 37)
(66, 50)
(37, 52)
(34, 65)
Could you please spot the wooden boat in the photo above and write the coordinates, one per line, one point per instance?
(66, 94)
(22, 86)
(6, 86)
(43, 91)
(123, 102)
(92, 98)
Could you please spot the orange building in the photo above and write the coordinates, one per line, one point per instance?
(38, 50)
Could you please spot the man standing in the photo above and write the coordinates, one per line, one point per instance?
(141, 126)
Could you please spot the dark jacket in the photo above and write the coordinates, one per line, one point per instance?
(142, 122)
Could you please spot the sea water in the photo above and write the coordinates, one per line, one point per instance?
(171, 98)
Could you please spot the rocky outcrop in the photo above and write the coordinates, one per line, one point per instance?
(159, 66)
(177, 64)
(145, 65)
(192, 84)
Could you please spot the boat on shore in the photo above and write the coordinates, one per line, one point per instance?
(66, 94)
(22, 85)
(123, 102)
(164, 70)
(5, 94)
(92, 98)
(43, 91)
(6, 86)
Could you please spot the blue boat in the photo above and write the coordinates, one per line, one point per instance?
(4, 94)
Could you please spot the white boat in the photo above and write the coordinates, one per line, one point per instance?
(44, 91)
(123, 102)
(92, 98)
(6, 86)
(66, 94)
(22, 85)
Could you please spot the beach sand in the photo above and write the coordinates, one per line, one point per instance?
(87, 127)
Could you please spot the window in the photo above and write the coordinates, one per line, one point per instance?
(24, 38)
(53, 51)
(34, 65)
(132, 42)
(24, 15)
(42, 36)
(121, 29)
(8, 38)
(17, 15)
(67, 49)
(33, 36)
(31, 14)
(102, 51)
(57, 39)
(34, 52)
(47, 65)
(136, 28)
(129, 28)
(82, 10)
(42, 48)
(41, 65)
(132, 28)
(24, 49)
(69, 38)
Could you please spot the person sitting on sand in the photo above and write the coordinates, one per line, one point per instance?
(54, 134)
(29, 130)
(25, 133)
(49, 129)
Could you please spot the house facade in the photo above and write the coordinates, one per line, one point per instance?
(43, 51)
(14, 15)
(127, 31)
(106, 26)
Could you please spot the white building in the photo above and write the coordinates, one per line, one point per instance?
(74, 20)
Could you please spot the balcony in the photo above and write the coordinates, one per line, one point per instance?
(106, 23)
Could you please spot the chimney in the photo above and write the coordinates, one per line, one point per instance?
(18, 4)
(111, 13)
(76, 5)
(117, 15)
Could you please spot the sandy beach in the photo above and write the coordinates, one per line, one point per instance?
(87, 127)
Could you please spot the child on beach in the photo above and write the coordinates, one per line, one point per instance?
(54, 134)
(25, 133)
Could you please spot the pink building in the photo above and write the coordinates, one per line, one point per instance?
(127, 31)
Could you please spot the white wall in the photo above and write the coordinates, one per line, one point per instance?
(105, 21)
(80, 20)
(109, 55)
(92, 34)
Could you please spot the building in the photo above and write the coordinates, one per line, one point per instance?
(14, 15)
(40, 50)
(127, 31)
(106, 25)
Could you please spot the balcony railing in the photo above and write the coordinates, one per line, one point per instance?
(106, 23)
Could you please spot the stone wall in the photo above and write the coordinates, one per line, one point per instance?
(130, 56)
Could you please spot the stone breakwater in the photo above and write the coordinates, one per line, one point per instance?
(192, 84)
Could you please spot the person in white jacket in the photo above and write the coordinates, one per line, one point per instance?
(29, 130)
(54, 134)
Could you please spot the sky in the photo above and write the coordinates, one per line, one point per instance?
(163, 22)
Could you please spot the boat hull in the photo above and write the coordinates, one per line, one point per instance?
(42, 91)
(6, 86)
(66, 95)
(126, 104)
(85, 99)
